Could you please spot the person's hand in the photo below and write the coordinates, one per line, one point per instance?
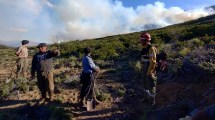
(56, 52)
(98, 70)
(17, 54)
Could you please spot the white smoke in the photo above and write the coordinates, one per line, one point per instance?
(48, 20)
(91, 19)
(25, 19)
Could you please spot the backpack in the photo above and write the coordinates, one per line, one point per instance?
(161, 58)
(162, 63)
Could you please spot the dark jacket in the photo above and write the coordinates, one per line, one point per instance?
(42, 62)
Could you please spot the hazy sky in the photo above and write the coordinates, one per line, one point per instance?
(184, 4)
(58, 20)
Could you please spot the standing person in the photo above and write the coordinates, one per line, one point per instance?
(42, 64)
(88, 76)
(148, 61)
(22, 62)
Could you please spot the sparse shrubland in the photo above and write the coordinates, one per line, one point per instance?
(189, 46)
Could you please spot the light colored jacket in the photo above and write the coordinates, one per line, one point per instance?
(88, 64)
(22, 52)
(152, 60)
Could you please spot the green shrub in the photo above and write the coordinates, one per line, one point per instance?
(175, 66)
(195, 42)
(58, 80)
(102, 96)
(207, 66)
(184, 51)
(121, 92)
(59, 99)
(59, 113)
(6, 88)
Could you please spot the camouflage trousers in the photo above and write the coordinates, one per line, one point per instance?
(45, 83)
(22, 67)
(148, 84)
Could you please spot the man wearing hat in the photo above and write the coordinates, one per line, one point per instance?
(42, 65)
(22, 62)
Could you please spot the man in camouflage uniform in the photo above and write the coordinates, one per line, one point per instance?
(148, 61)
(42, 64)
(22, 62)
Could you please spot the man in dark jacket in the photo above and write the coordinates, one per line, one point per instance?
(42, 64)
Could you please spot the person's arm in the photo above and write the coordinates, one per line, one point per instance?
(152, 59)
(55, 53)
(18, 51)
(141, 57)
(33, 66)
(92, 64)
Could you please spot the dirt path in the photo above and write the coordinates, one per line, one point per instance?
(104, 110)
(67, 96)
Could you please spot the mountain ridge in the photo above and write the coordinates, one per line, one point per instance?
(15, 44)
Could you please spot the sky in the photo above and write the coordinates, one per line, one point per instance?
(63, 20)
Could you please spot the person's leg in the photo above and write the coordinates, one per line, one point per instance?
(19, 67)
(152, 81)
(50, 85)
(145, 81)
(83, 93)
(92, 86)
(41, 84)
(85, 89)
(25, 67)
(144, 71)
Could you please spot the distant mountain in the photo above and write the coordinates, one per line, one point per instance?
(210, 8)
(203, 20)
(16, 43)
(4, 47)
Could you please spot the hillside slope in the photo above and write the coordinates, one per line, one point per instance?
(111, 46)
(188, 84)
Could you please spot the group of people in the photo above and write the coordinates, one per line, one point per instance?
(42, 65)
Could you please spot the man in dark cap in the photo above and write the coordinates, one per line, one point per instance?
(22, 62)
(42, 64)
